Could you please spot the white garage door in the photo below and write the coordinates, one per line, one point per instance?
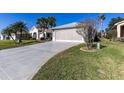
(69, 35)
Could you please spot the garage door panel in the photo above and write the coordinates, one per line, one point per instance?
(67, 34)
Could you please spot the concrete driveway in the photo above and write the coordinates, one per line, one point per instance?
(24, 62)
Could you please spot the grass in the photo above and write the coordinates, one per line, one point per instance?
(73, 64)
(10, 43)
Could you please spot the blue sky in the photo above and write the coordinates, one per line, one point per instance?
(61, 18)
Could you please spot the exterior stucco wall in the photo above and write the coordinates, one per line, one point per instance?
(34, 30)
(118, 31)
(1, 37)
(39, 35)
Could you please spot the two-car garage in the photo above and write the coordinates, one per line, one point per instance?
(67, 33)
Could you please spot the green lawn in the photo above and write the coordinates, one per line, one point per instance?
(106, 63)
(10, 43)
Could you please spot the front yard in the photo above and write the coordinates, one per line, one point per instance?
(10, 43)
(106, 63)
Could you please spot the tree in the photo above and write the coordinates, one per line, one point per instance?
(87, 29)
(19, 27)
(113, 21)
(112, 34)
(15, 28)
(51, 21)
(8, 31)
(101, 18)
(46, 23)
(42, 23)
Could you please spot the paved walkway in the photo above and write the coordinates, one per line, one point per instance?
(24, 62)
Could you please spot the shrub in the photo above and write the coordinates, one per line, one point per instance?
(112, 35)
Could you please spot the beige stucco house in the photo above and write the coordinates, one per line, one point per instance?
(66, 33)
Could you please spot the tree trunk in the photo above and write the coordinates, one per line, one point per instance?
(20, 39)
(12, 38)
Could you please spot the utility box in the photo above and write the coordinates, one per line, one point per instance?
(98, 45)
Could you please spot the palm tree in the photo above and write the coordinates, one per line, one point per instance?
(46, 23)
(101, 18)
(19, 27)
(42, 23)
(51, 21)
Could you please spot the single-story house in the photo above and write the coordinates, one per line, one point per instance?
(120, 29)
(6, 37)
(67, 33)
(39, 33)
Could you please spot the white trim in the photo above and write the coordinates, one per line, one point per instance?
(118, 31)
(54, 39)
(119, 22)
(54, 36)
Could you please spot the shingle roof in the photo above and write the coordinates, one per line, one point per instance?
(70, 25)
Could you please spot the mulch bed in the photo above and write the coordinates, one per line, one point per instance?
(88, 50)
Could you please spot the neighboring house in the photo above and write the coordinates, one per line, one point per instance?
(39, 34)
(67, 33)
(120, 29)
(6, 37)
